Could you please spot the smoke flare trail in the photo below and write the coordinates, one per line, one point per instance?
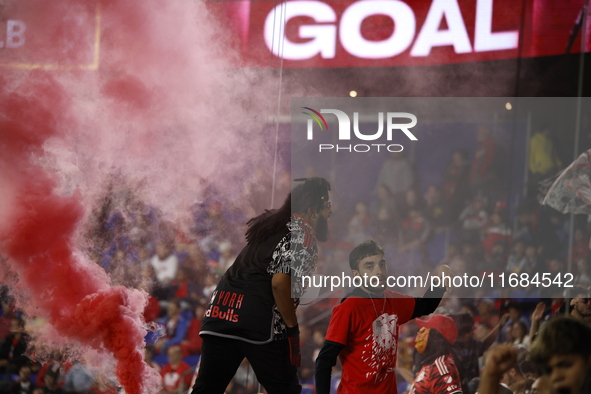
(37, 236)
(159, 106)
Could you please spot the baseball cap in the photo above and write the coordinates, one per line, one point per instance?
(445, 325)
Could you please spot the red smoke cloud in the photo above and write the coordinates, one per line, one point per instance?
(38, 238)
(136, 88)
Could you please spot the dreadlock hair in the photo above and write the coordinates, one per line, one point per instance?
(312, 193)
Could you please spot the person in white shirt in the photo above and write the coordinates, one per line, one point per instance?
(165, 263)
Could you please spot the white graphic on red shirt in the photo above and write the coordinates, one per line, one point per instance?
(380, 351)
(171, 380)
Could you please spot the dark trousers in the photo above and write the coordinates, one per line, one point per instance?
(221, 357)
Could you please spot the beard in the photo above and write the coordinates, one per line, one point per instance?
(322, 229)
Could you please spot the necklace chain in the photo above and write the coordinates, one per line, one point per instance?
(374, 305)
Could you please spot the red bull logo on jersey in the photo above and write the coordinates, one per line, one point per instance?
(223, 305)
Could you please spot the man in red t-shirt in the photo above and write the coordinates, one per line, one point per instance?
(363, 330)
(176, 371)
(438, 374)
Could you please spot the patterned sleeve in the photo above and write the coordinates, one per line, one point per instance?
(295, 255)
(280, 263)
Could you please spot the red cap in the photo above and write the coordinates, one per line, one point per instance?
(445, 325)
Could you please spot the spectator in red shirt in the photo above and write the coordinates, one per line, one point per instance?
(185, 289)
(497, 230)
(363, 329)
(192, 342)
(176, 372)
(152, 310)
(438, 374)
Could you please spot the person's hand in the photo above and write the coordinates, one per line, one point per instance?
(538, 313)
(444, 269)
(293, 338)
(500, 359)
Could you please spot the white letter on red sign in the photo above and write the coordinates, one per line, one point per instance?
(484, 38)
(323, 36)
(398, 42)
(455, 35)
(15, 34)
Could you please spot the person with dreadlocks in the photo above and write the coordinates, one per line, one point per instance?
(438, 373)
(251, 314)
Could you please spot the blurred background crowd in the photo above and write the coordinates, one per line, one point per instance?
(463, 220)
